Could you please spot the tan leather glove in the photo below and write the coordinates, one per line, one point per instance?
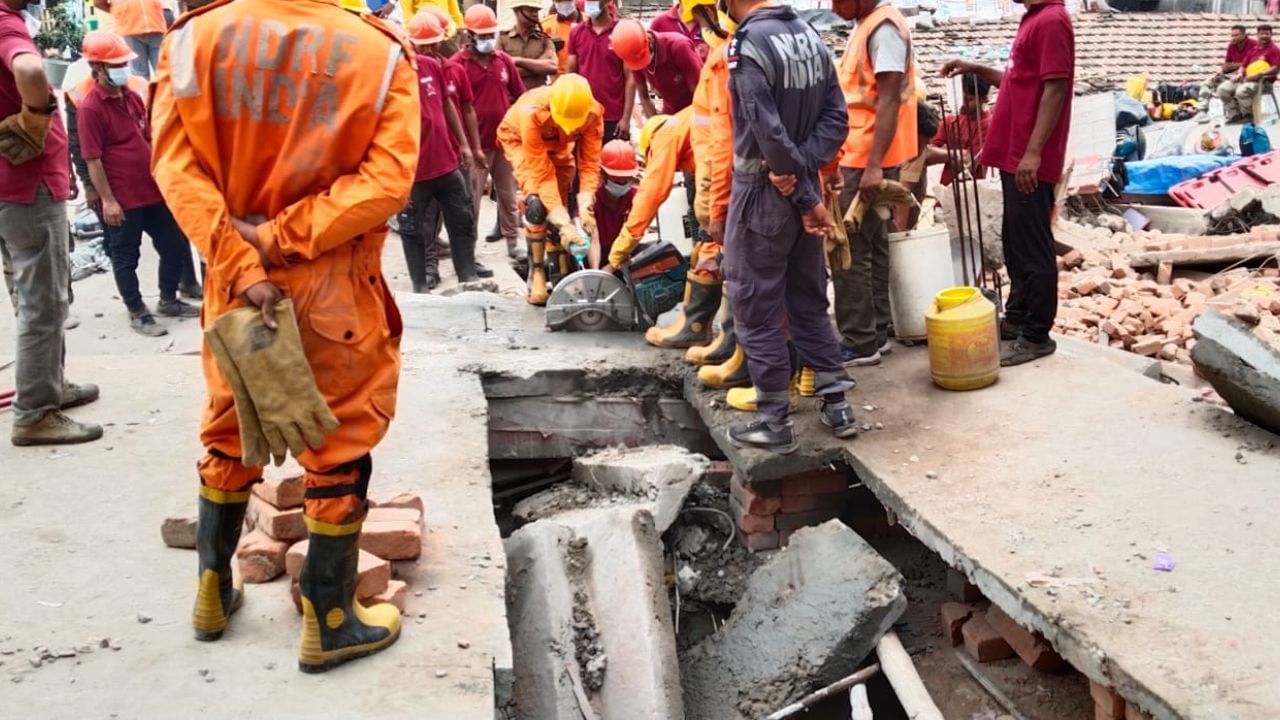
(255, 451)
(837, 244)
(291, 410)
(22, 135)
(587, 212)
(560, 219)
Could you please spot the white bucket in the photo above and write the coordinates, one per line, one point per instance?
(671, 214)
(919, 267)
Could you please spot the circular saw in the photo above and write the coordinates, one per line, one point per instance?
(591, 300)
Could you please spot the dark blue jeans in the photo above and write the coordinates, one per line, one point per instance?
(125, 245)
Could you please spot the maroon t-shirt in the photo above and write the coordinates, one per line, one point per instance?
(673, 72)
(611, 215)
(495, 87)
(52, 167)
(437, 155)
(602, 68)
(669, 21)
(1270, 53)
(458, 89)
(1044, 49)
(1238, 55)
(117, 131)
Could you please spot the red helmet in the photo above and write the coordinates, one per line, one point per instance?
(425, 29)
(617, 157)
(480, 19)
(106, 47)
(630, 41)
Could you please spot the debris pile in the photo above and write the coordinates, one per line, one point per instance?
(1139, 291)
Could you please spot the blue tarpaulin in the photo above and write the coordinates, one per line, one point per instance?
(1155, 177)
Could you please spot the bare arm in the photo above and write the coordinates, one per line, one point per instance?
(646, 102)
(455, 125)
(98, 175)
(888, 100)
(1047, 116)
(573, 63)
(473, 129)
(33, 86)
(959, 67)
(628, 104)
(544, 65)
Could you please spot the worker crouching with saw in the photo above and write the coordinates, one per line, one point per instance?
(288, 201)
(550, 135)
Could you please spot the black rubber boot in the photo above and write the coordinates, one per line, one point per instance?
(721, 348)
(693, 327)
(336, 628)
(464, 259)
(218, 595)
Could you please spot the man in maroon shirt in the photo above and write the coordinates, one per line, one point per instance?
(1237, 93)
(1028, 145)
(115, 141)
(35, 182)
(495, 83)
(679, 20)
(667, 62)
(591, 57)
(1237, 50)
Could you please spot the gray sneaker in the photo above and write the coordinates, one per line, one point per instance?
(55, 428)
(74, 395)
(144, 324)
(177, 308)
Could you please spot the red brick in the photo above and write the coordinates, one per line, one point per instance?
(719, 473)
(403, 500)
(817, 482)
(1032, 648)
(954, 616)
(179, 532)
(294, 557)
(759, 541)
(802, 503)
(961, 589)
(392, 539)
(1109, 703)
(286, 525)
(1164, 273)
(261, 558)
(1147, 345)
(394, 593)
(797, 520)
(282, 492)
(374, 576)
(1072, 259)
(747, 522)
(391, 514)
(983, 642)
(296, 593)
(752, 502)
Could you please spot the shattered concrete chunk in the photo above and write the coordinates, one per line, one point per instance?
(809, 617)
(661, 473)
(1241, 368)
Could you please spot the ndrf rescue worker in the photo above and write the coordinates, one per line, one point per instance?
(558, 24)
(789, 121)
(142, 23)
(666, 62)
(552, 135)
(286, 193)
(877, 75)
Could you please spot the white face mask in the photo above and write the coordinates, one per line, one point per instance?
(485, 46)
(593, 10)
(118, 76)
(616, 189)
(565, 9)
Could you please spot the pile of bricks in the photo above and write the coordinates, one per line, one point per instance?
(989, 635)
(768, 512)
(1108, 705)
(1103, 299)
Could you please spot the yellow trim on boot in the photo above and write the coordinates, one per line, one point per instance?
(698, 354)
(730, 373)
(664, 337)
(224, 497)
(207, 618)
(312, 657)
(320, 527)
(806, 382)
(538, 272)
(744, 398)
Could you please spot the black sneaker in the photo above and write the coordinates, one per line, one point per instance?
(483, 272)
(774, 436)
(839, 417)
(1023, 350)
(177, 308)
(192, 291)
(144, 324)
(428, 284)
(1010, 330)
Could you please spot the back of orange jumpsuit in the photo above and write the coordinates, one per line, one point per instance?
(712, 139)
(544, 157)
(670, 151)
(302, 116)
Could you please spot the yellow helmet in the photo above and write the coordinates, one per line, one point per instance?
(687, 6)
(646, 134)
(571, 101)
(1256, 67)
(355, 6)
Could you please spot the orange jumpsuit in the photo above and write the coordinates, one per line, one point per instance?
(558, 28)
(544, 158)
(305, 117)
(712, 139)
(670, 151)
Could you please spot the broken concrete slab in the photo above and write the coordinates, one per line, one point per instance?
(661, 473)
(1240, 367)
(810, 615)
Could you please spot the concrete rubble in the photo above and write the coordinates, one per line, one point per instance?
(1243, 370)
(810, 615)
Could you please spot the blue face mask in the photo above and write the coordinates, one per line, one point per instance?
(593, 10)
(485, 46)
(118, 76)
(565, 9)
(616, 189)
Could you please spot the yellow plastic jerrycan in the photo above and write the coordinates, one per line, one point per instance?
(964, 343)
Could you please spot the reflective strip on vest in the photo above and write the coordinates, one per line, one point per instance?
(182, 61)
(858, 83)
(393, 57)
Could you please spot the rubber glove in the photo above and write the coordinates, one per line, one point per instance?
(276, 375)
(620, 253)
(22, 135)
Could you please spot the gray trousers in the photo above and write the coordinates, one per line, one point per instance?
(147, 46)
(862, 291)
(35, 238)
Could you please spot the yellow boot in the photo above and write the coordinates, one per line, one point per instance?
(218, 593)
(537, 272)
(335, 626)
(744, 398)
(805, 382)
(721, 348)
(693, 327)
(732, 373)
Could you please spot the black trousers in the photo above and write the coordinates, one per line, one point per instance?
(451, 195)
(1030, 258)
(124, 243)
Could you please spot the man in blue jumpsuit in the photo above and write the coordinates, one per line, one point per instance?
(789, 120)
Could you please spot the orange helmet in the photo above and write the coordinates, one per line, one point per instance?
(446, 22)
(106, 47)
(617, 157)
(480, 19)
(425, 29)
(630, 41)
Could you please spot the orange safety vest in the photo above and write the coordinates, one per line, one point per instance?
(77, 94)
(541, 154)
(712, 137)
(558, 29)
(858, 81)
(138, 17)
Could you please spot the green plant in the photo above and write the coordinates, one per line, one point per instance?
(60, 32)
